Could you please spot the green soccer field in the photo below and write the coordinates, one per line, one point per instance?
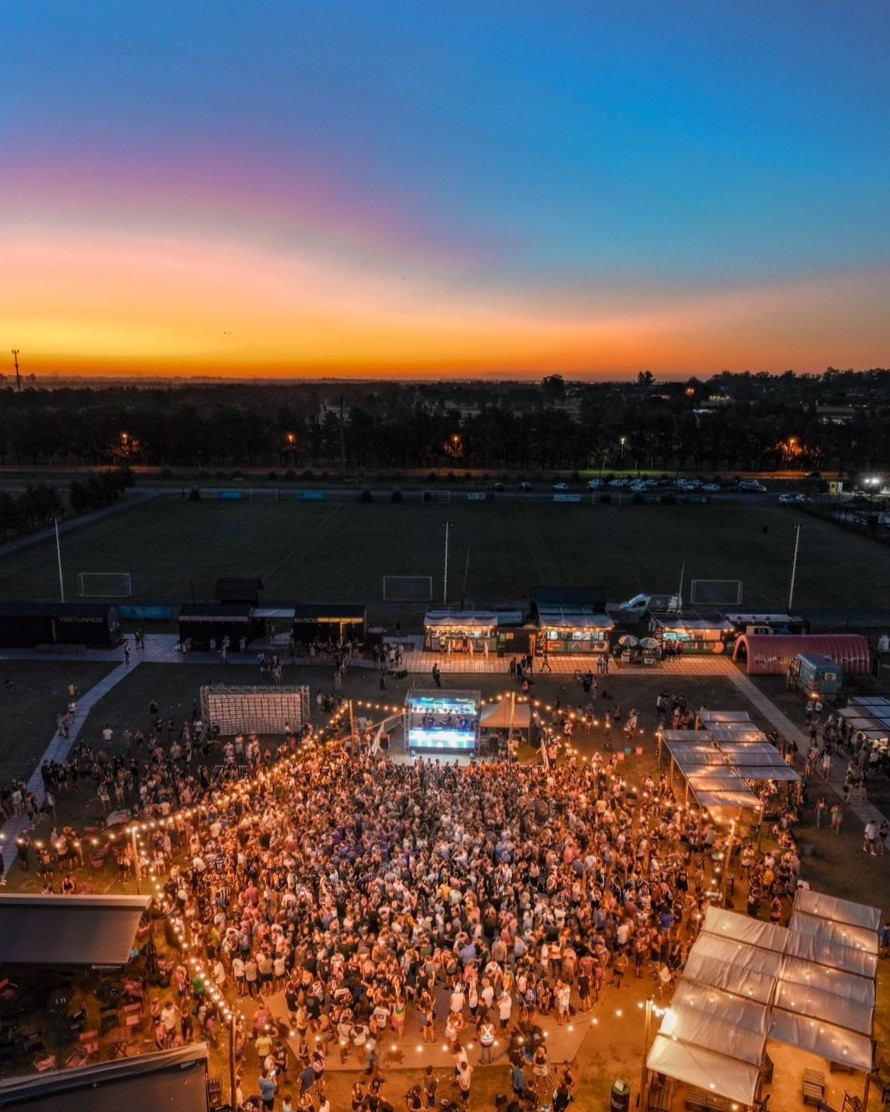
(340, 551)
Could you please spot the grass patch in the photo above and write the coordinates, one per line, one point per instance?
(32, 695)
(175, 550)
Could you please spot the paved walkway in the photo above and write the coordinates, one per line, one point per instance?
(864, 811)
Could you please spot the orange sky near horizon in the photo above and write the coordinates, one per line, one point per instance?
(87, 302)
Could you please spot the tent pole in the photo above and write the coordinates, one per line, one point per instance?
(137, 871)
(233, 1083)
(644, 1073)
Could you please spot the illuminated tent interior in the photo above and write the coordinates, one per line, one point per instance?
(810, 985)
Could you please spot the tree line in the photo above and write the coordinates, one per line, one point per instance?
(839, 420)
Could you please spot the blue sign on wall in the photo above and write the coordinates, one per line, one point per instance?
(146, 613)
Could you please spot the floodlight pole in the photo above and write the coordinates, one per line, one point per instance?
(445, 575)
(797, 529)
(59, 559)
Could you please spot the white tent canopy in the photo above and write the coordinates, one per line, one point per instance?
(503, 715)
(811, 985)
(718, 1073)
(839, 911)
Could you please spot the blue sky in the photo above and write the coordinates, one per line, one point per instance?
(556, 186)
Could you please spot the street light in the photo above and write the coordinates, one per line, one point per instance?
(622, 442)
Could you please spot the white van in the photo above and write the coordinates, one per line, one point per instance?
(637, 606)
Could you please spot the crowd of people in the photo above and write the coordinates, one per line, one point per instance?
(474, 903)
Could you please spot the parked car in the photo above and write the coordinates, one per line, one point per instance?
(792, 499)
(711, 488)
(560, 486)
(751, 486)
(525, 486)
(595, 484)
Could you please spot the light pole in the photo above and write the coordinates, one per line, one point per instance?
(233, 1080)
(137, 870)
(622, 442)
(445, 576)
(644, 1075)
(797, 529)
(59, 560)
(726, 863)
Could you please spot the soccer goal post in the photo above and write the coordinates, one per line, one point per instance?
(716, 592)
(104, 584)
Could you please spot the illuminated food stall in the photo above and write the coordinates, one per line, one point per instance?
(573, 630)
(460, 631)
(691, 633)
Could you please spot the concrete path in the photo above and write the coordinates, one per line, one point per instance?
(864, 811)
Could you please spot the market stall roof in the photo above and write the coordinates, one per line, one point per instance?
(693, 754)
(722, 716)
(68, 930)
(721, 788)
(215, 611)
(684, 735)
(809, 902)
(726, 799)
(758, 760)
(175, 1080)
(694, 1065)
(573, 617)
(676, 621)
(746, 981)
(460, 619)
(735, 731)
(277, 613)
(330, 611)
(498, 716)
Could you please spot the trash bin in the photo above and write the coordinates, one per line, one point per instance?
(620, 1101)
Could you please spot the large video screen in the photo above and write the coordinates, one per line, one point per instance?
(441, 738)
(442, 723)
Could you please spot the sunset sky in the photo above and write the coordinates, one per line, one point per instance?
(370, 187)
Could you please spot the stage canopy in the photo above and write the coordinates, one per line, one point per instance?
(746, 981)
(68, 930)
